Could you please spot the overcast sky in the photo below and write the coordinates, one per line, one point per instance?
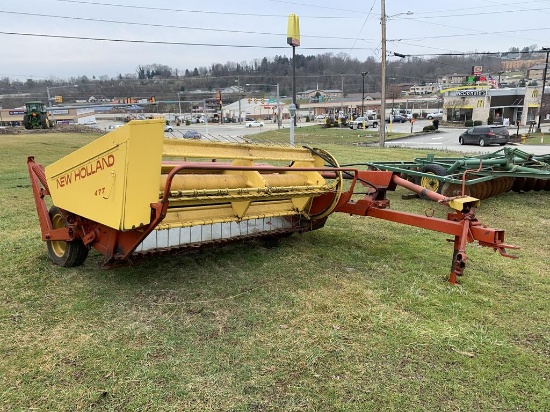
(189, 34)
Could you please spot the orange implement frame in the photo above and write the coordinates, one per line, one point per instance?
(462, 224)
(117, 246)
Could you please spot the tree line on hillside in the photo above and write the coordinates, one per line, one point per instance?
(324, 71)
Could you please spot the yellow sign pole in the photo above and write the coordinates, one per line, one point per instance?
(293, 39)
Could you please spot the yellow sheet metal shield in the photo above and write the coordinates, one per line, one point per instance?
(458, 203)
(113, 179)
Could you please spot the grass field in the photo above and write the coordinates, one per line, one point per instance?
(357, 316)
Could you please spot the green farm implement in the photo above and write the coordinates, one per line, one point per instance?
(480, 176)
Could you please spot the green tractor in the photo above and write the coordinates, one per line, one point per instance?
(36, 116)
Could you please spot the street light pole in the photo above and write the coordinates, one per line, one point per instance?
(240, 97)
(278, 109)
(547, 50)
(50, 104)
(341, 104)
(363, 95)
(292, 112)
(205, 117)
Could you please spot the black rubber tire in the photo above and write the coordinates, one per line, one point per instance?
(375, 124)
(432, 184)
(482, 142)
(461, 141)
(62, 253)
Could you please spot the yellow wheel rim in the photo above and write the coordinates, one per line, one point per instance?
(431, 183)
(58, 246)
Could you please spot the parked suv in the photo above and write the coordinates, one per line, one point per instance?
(484, 135)
(435, 115)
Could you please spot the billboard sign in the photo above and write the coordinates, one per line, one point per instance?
(470, 93)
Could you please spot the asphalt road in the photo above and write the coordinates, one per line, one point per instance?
(444, 139)
(232, 132)
(447, 139)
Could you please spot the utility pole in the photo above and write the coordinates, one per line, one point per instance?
(547, 50)
(363, 95)
(383, 74)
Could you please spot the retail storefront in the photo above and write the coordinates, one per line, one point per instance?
(503, 106)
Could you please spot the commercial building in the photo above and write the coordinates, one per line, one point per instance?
(85, 115)
(507, 106)
(509, 65)
(536, 72)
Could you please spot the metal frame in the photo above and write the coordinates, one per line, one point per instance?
(506, 162)
(117, 246)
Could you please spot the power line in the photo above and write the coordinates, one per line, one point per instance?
(362, 27)
(89, 19)
(172, 10)
(500, 4)
(462, 13)
(317, 6)
(477, 33)
(234, 45)
(241, 46)
(473, 53)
